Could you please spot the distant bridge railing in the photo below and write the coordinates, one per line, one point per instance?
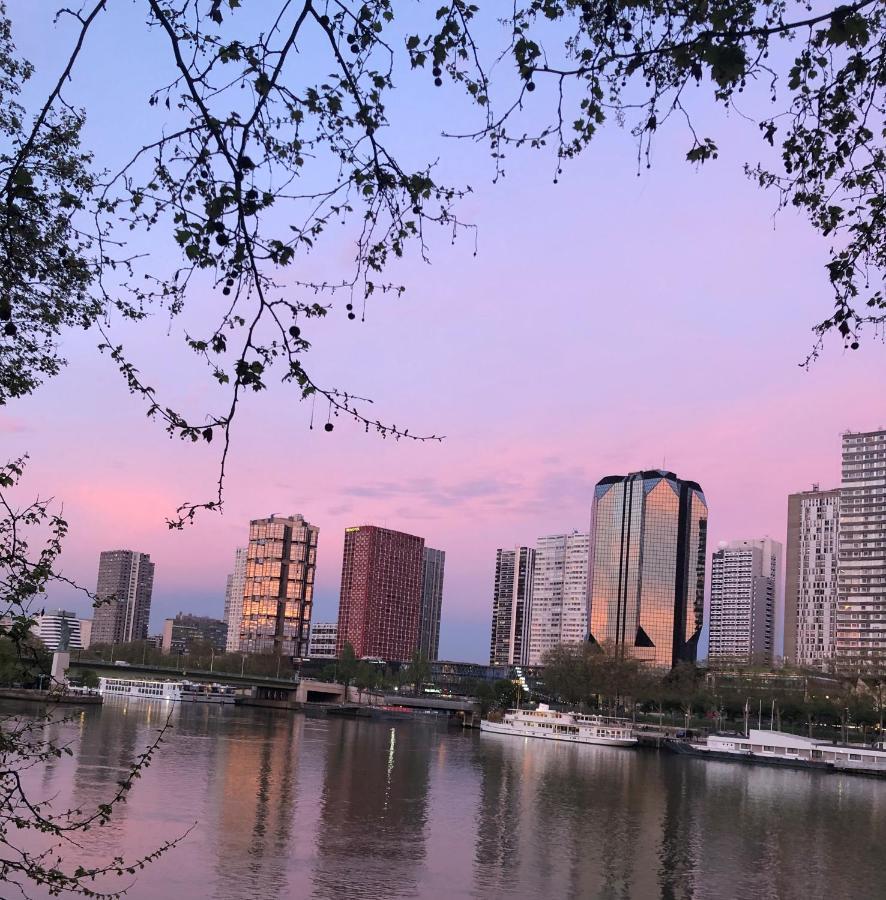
(103, 667)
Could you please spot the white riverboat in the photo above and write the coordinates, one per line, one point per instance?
(782, 748)
(206, 693)
(134, 689)
(552, 725)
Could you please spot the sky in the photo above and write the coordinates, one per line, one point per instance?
(608, 323)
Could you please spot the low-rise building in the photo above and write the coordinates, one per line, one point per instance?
(59, 629)
(180, 632)
(321, 644)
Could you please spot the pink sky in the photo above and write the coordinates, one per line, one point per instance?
(608, 323)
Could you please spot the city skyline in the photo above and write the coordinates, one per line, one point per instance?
(212, 606)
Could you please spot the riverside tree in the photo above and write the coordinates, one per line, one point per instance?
(270, 133)
(36, 836)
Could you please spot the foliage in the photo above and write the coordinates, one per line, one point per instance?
(275, 131)
(347, 667)
(89, 679)
(33, 833)
(586, 674)
(419, 671)
(22, 663)
(200, 657)
(366, 677)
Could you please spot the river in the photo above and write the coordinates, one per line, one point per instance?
(281, 805)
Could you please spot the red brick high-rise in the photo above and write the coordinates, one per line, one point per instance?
(381, 591)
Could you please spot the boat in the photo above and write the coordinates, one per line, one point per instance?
(207, 693)
(780, 748)
(553, 725)
(134, 689)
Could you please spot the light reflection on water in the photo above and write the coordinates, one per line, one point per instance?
(288, 806)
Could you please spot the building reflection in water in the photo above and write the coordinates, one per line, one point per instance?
(373, 816)
(255, 799)
(288, 806)
(579, 822)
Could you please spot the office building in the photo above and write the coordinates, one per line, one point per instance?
(324, 636)
(59, 629)
(648, 567)
(182, 631)
(810, 624)
(234, 587)
(381, 593)
(745, 579)
(124, 587)
(861, 577)
(431, 602)
(559, 602)
(510, 606)
(278, 590)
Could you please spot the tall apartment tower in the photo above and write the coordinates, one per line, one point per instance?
(381, 592)
(125, 582)
(278, 590)
(648, 566)
(234, 588)
(511, 606)
(431, 602)
(810, 622)
(745, 579)
(861, 577)
(559, 604)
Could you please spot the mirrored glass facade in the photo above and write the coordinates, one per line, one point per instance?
(647, 576)
(278, 590)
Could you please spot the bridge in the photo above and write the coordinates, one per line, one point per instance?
(263, 687)
(268, 690)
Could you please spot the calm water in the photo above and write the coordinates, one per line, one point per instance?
(288, 806)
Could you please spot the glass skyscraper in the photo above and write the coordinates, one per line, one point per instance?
(647, 574)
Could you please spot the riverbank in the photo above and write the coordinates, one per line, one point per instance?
(31, 695)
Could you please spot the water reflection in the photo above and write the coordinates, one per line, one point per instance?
(294, 808)
(371, 835)
(255, 803)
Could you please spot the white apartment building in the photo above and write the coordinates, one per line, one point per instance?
(321, 644)
(745, 577)
(57, 628)
(234, 589)
(861, 605)
(559, 598)
(811, 563)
